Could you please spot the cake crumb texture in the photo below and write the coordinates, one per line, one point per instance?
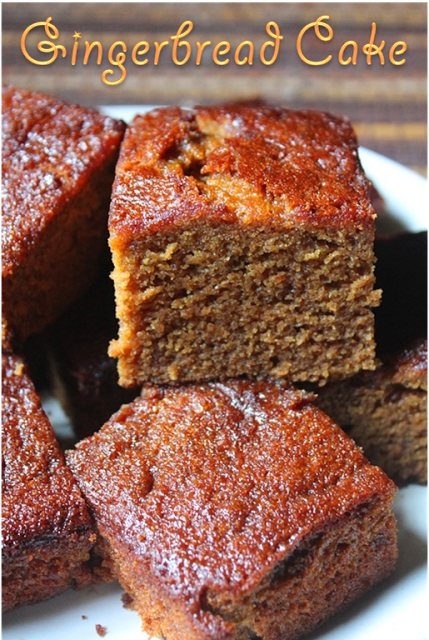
(385, 411)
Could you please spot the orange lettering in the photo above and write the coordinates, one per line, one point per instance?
(158, 48)
(120, 58)
(319, 35)
(343, 48)
(217, 52)
(88, 49)
(239, 48)
(277, 37)
(188, 26)
(392, 52)
(200, 48)
(371, 49)
(140, 53)
(45, 46)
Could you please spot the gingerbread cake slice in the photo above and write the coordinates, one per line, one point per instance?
(235, 511)
(46, 528)
(242, 241)
(58, 165)
(385, 411)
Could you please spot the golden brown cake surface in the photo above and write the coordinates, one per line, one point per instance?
(225, 508)
(57, 169)
(242, 243)
(46, 528)
(299, 167)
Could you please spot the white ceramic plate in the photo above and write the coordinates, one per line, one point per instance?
(395, 609)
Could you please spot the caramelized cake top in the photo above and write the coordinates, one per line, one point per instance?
(229, 478)
(238, 163)
(48, 150)
(41, 499)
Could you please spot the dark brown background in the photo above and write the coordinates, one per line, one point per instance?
(387, 104)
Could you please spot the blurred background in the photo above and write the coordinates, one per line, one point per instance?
(387, 104)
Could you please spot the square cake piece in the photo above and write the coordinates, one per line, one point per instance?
(385, 411)
(235, 511)
(242, 241)
(47, 533)
(58, 165)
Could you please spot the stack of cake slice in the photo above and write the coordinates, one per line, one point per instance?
(242, 240)
(224, 501)
(58, 164)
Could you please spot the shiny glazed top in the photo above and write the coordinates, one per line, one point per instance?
(40, 497)
(209, 486)
(49, 149)
(238, 163)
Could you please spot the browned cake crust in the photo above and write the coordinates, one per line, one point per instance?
(235, 510)
(58, 166)
(242, 240)
(46, 528)
(385, 411)
(84, 377)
